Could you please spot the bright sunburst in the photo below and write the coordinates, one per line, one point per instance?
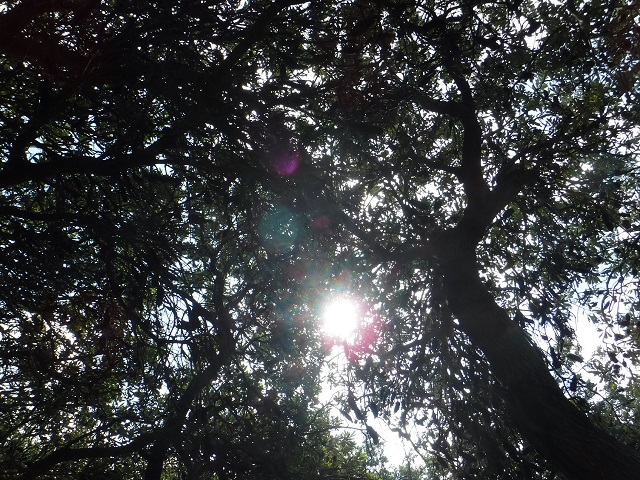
(340, 318)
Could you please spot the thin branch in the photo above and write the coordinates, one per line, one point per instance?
(451, 108)
(173, 425)
(255, 31)
(172, 428)
(435, 164)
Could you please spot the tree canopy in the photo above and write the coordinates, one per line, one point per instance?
(183, 184)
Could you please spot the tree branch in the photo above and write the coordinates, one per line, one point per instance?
(451, 108)
(545, 417)
(65, 455)
(172, 428)
(435, 164)
(471, 174)
(254, 32)
(51, 55)
(13, 175)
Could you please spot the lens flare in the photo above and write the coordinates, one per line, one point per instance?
(285, 165)
(340, 318)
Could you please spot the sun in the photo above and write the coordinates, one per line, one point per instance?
(340, 318)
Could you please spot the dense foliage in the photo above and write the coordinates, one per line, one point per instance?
(183, 184)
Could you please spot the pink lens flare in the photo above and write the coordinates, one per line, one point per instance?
(321, 222)
(287, 165)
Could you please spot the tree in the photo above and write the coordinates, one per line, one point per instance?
(495, 150)
(182, 181)
(147, 322)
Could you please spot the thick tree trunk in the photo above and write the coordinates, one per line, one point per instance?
(546, 418)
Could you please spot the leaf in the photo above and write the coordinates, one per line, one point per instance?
(626, 321)
(574, 383)
(373, 434)
(346, 415)
(351, 401)
(555, 362)
(574, 357)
